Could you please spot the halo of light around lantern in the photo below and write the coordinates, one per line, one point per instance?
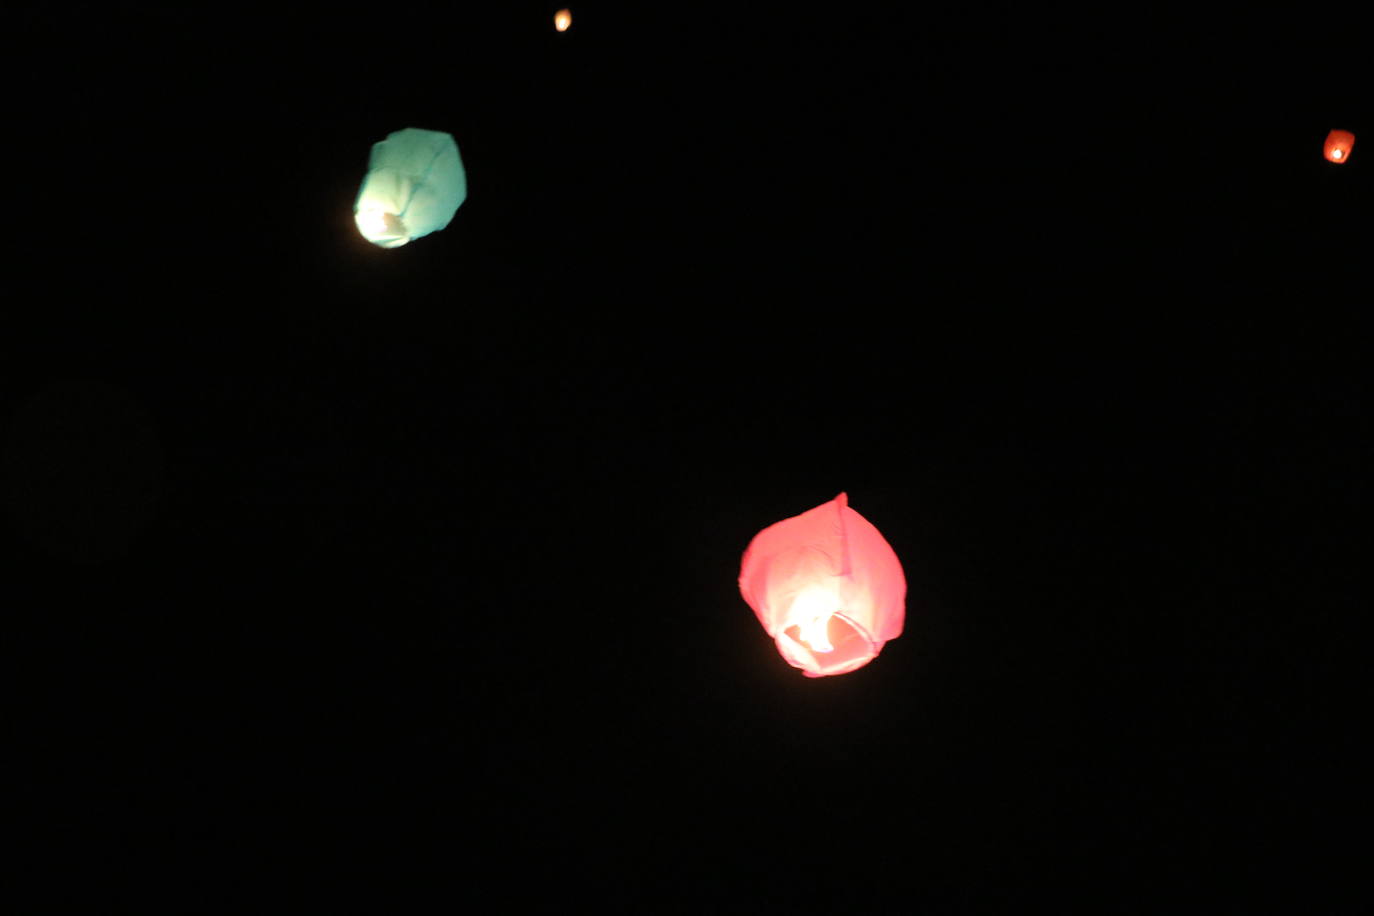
(1338, 145)
(562, 19)
(827, 587)
(414, 184)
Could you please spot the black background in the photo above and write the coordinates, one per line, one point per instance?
(406, 579)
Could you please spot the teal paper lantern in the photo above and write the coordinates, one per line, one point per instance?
(415, 183)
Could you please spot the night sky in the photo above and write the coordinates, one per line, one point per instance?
(405, 581)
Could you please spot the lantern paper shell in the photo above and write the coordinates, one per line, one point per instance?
(1338, 145)
(827, 588)
(415, 183)
(562, 19)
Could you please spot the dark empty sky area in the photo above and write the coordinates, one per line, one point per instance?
(405, 581)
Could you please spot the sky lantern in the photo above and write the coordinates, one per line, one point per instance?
(1339, 143)
(827, 587)
(414, 184)
(562, 19)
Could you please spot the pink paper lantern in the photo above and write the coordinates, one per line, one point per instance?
(827, 587)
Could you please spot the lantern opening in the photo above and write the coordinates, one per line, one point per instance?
(381, 227)
(840, 645)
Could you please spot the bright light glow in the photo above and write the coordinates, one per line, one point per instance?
(562, 19)
(381, 227)
(811, 612)
(372, 223)
(1336, 153)
(814, 634)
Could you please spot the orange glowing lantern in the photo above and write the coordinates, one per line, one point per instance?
(1339, 143)
(827, 587)
(562, 19)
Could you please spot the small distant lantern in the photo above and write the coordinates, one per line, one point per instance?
(1339, 143)
(827, 588)
(562, 19)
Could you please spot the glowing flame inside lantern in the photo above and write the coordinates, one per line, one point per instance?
(381, 227)
(562, 19)
(811, 613)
